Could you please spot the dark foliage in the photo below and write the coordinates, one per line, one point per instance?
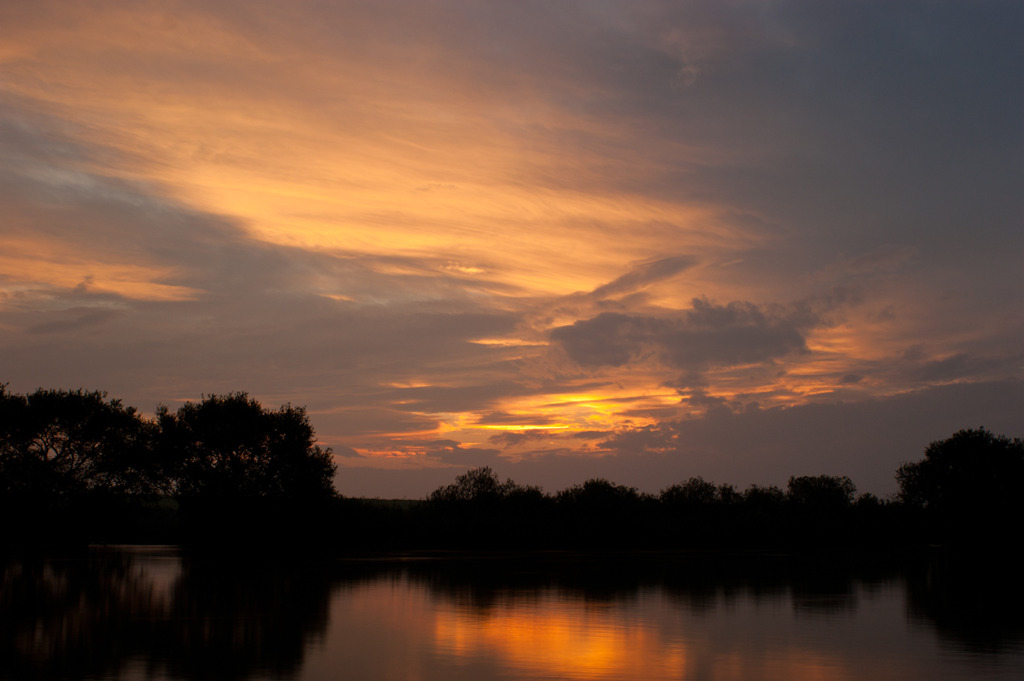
(477, 486)
(694, 493)
(968, 486)
(76, 466)
(229, 446)
(599, 513)
(972, 471)
(821, 492)
(64, 443)
(480, 511)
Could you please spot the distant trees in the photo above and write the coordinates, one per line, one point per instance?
(818, 511)
(478, 510)
(821, 492)
(600, 496)
(694, 493)
(600, 513)
(698, 512)
(479, 486)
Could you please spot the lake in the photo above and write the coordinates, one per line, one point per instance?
(159, 613)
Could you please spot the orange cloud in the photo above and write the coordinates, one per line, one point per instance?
(31, 264)
(323, 152)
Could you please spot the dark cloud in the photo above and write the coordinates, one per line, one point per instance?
(453, 452)
(591, 434)
(959, 366)
(73, 320)
(520, 437)
(368, 424)
(987, 358)
(943, 369)
(705, 335)
(703, 402)
(495, 418)
(453, 399)
(645, 274)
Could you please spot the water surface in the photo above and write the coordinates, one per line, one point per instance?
(154, 613)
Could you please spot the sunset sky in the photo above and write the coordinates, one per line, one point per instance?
(638, 240)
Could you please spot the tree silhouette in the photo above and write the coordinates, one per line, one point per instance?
(478, 510)
(61, 442)
(477, 485)
(970, 475)
(228, 446)
(598, 495)
(602, 514)
(763, 496)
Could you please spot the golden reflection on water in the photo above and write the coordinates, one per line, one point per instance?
(553, 637)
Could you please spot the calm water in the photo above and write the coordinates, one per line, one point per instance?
(152, 613)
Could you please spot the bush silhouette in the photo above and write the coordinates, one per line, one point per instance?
(821, 493)
(694, 493)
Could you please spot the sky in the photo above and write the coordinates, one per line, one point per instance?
(641, 241)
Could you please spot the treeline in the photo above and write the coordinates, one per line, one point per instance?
(479, 511)
(967, 489)
(76, 466)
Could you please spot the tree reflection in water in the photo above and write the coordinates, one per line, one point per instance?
(973, 601)
(100, 613)
(77, 615)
